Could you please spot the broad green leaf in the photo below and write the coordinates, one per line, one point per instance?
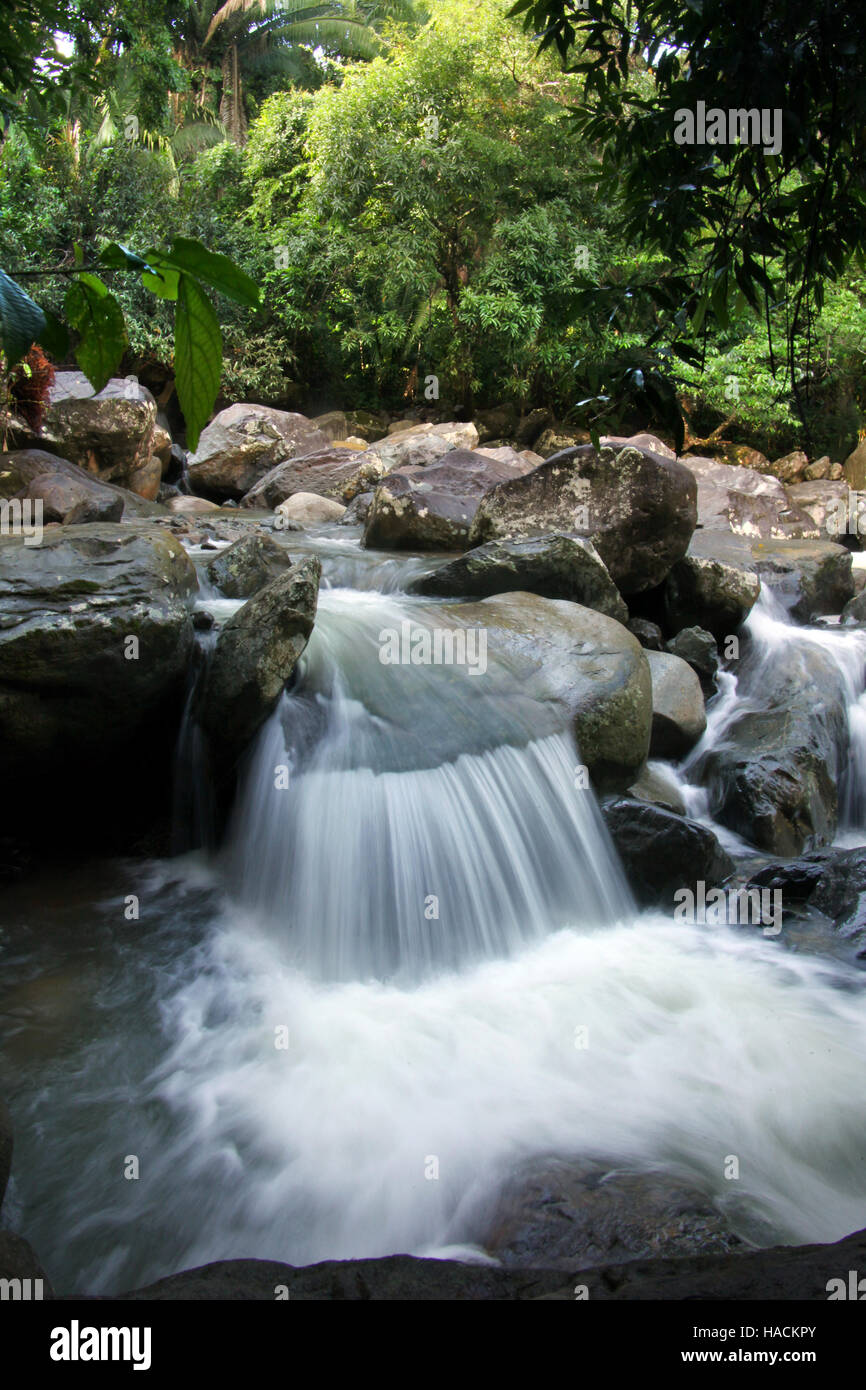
(22, 322)
(162, 279)
(197, 357)
(98, 319)
(119, 257)
(55, 337)
(215, 270)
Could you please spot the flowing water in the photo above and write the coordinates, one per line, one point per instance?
(414, 965)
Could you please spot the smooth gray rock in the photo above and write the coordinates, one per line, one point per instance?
(248, 565)
(243, 443)
(679, 714)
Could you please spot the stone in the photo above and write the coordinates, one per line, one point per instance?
(791, 468)
(6, 1145)
(638, 508)
(19, 1261)
(854, 467)
(648, 634)
(191, 506)
(432, 508)
(255, 654)
(698, 647)
(555, 565)
(73, 502)
(662, 852)
(248, 565)
(310, 509)
(108, 433)
(145, 481)
(679, 715)
(823, 501)
(750, 504)
(243, 443)
(817, 470)
(22, 469)
(325, 473)
(357, 511)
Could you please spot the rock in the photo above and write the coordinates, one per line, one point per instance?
(854, 467)
(255, 654)
(161, 445)
(679, 716)
(518, 457)
(23, 468)
(774, 777)
(823, 501)
(556, 566)
(791, 468)
(638, 509)
(662, 852)
(245, 442)
(648, 634)
(248, 565)
(6, 1143)
(529, 428)
(498, 423)
(837, 473)
(712, 587)
(817, 470)
(656, 786)
(798, 878)
(855, 610)
(18, 1261)
(325, 473)
(310, 509)
(637, 441)
(583, 663)
(698, 647)
(358, 510)
(109, 433)
(72, 501)
(432, 508)
(95, 639)
(366, 424)
(811, 578)
(417, 446)
(551, 442)
(145, 481)
(748, 503)
(191, 506)
(561, 1215)
(741, 456)
(353, 441)
(831, 880)
(333, 424)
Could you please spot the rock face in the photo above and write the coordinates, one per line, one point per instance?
(662, 852)
(586, 664)
(69, 494)
(679, 716)
(327, 472)
(245, 442)
(256, 653)
(431, 508)
(310, 509)
(555, 566)
(745, 502)
(110, 433)
(567, 1214)
(774, 779)
(248, 565)
(638, 508)
(95, 638)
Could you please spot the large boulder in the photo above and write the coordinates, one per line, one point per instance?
(774, 776)
(69, 494)
(309, 509)
(584, 664)
(746, 502)
(95, 639)
(109, 433)
(637, 507)
(255, 654)
(432, 508)
(248, 565)
(713, 587)
(662, 851)
(823, 501)
(854, 467)
(6, 1144)
(556, 566)
(679, 715)
(244, 442)
(831, 880)
(326, 472)
(562, 1215)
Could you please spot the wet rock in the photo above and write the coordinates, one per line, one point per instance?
(811, 578)
(698, 647)
(248, 565)
(357, 511)
(747, 503)
(432, 508)
(255, 654)
(638, 508)
(333, 423)
(656, 786)
(243, 443)
(662, 852)
(833, 881)
(310, 509)
(648, 634)
(714, 586)
(855, 610)
(569, 1214)
(555, 566)
(19, 1261)
(679, 715)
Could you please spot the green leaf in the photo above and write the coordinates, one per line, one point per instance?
(162, 279)
(197, 357)
(22, 322)
(119, 257)
(55, 337)
(98, 319)
(215, 270)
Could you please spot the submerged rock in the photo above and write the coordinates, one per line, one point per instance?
(255, 654)
(637, 507)
(662, 852)
(555, 566)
